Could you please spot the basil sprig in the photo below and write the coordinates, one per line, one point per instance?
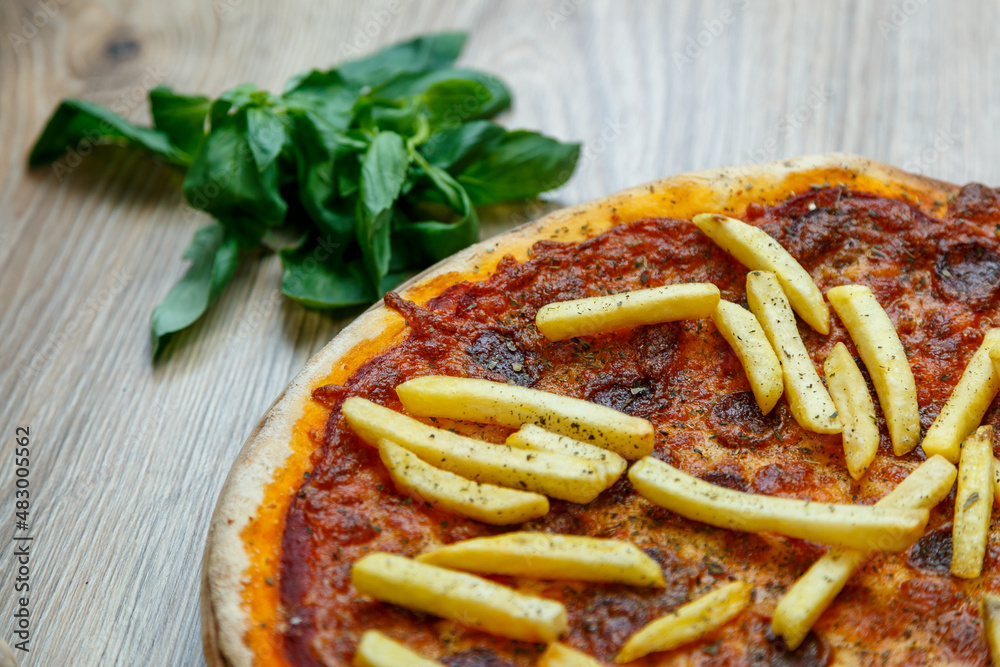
(359, 176)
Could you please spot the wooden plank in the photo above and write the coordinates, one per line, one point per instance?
(128, 458)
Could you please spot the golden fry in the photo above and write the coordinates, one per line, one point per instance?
(688, 622)
(855, 407)
(377, 650)
(996, 480)
(989, 609)
(549, 556)
(476, 602)
(615, 312)
(534, 437)
(967, 404)
(857, 526)
(973, 504)
(754, 249)
(743, 333)
(808, 399)
(567, 477)
(878, 343)
(483, 401)
(452, 493)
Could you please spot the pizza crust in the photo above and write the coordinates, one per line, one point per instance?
(225, 618)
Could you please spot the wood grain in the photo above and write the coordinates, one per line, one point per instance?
(128, 457)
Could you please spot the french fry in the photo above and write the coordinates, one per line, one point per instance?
(808, 399)
(534, 437)
(996, 480)
(377, 650)
(560, 655)
(743, 333)
(627, 310)
(449, 492)
(973, 504)
(857, 526)
(855, 407)
(474, 601)
(990, 611)
(967, 404)
(549, 556)
(484, 401)
(809, 597)
(878, 343)
(688, 622)
(754, 249)
(557, 475)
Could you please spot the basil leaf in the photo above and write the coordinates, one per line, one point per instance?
(438, 239)
(453, 101)
(77, 121)
(225, 181)
(326, 95)
(315, 277)
(401, 117)
(266, 136)
(383, 171)
(454, 146)
(519, 166)
(237, 99)
(317, 185)
(347, 171)
(214, 256)
(180, 117)
(422, 53)
(486, 95)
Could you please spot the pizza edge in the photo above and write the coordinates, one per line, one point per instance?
(224, 616)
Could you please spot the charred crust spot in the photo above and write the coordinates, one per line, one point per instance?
(770, 650)
(500, 354)
(563, 517)
(932, 552)
(729, 475)
(616, 496)
(630, 398)
(737, 422)
(611, 614)
(968, 271)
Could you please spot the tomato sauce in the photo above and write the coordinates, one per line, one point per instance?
(938, 280)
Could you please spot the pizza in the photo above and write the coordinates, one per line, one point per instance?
(311, 524)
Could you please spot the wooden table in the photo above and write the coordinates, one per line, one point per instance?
(127, 457)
